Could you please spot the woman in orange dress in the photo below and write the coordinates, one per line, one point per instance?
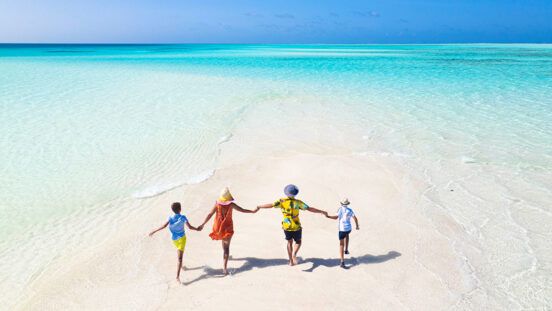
(223, 227)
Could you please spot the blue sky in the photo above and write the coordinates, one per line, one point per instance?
(284, 21)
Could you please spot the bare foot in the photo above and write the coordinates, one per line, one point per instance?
(224, 272)
(291, 263)
(178, 281)
(295, 260)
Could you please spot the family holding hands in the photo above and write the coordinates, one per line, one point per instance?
(223, 227)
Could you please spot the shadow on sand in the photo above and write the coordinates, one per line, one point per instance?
(208, 273)
(353, 261)
(253, 262)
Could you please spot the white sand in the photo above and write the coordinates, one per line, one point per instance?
(397, 260)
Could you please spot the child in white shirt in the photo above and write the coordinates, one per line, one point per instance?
(344, 215)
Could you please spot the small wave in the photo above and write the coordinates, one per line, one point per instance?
(401, 154)
(155, 190)
(224, 139)
(384, 154)
(510, 197)
(159, 189)
(201, 177)
(396, 154)
(467, 160)
(68, 51)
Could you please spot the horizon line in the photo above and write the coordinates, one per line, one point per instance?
(253, 43)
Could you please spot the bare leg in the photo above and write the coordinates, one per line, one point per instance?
(347, 244)
(341, 242)
(226, 250)
(179, 254)
(297, 246)
(289, 250)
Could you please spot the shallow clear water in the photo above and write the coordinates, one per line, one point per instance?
(84, 125)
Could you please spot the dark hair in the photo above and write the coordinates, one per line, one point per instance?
(176, 207)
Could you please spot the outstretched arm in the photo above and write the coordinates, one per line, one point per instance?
(315, 210)
(243, 210)
(192, 227)
(268, 205)
(211, 213)
(356, 222)
(160, 228)
(333, 217)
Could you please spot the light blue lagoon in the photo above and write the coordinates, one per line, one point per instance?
(83, 126)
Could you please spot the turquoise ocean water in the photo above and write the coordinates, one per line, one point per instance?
(85, 125)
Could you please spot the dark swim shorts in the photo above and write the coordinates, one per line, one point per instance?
(343, 234)
(295, 235)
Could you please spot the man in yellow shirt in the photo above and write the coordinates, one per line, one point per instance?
(290, 207)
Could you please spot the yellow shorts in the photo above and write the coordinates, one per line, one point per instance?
(180, 244)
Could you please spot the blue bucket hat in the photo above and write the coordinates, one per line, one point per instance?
(291, 190)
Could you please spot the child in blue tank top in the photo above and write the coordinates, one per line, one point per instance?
(176, 224)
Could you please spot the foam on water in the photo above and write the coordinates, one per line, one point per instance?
(466, 159)
(86, 128)
(224, 139)
(160, 189)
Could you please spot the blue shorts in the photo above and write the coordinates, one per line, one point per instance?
(343, 234)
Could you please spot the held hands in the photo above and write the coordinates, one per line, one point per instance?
(325, 214)
(199, 228)
(256, 209)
